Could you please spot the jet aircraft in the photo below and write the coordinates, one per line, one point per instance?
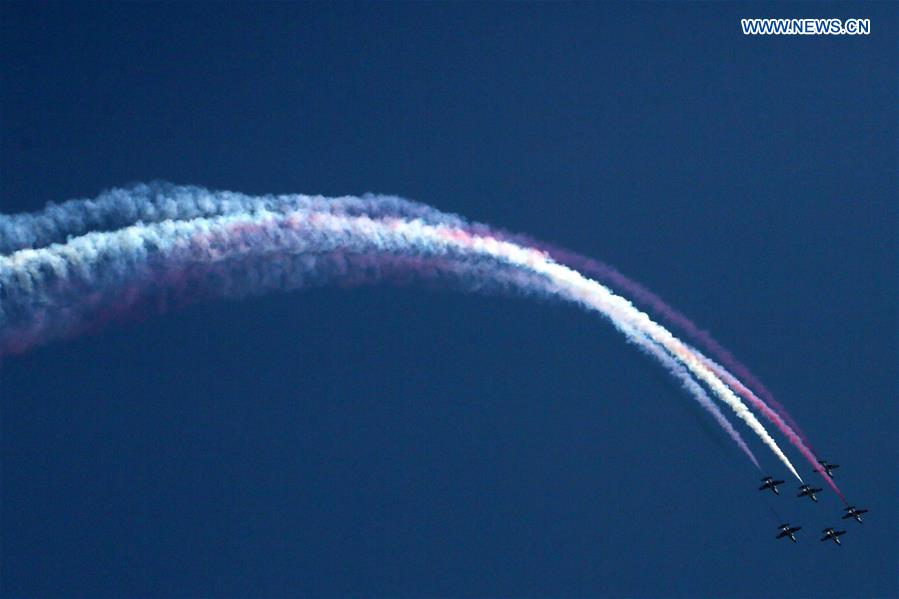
(854, 512)
(831, 534)
(808, 490)
(787, 531)
(769, 483)
(828, 468)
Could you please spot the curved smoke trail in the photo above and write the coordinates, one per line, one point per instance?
(610, 275)
(51, 288)
(753, 391)
(159, 201)
(695, 389)
(731, 381)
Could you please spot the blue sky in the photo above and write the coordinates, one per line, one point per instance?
(386, 441)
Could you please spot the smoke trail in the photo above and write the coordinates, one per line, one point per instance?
(611, 276)
(732, 382)
(696, 390)
(361, 269)
(41, 274)
(766, 405)
(159, 201)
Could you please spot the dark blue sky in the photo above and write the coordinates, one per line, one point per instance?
(388, 441)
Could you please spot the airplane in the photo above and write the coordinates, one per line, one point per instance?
(832, 534)
(787, 531)
(806, 490)
(854, 512)
(770, 483)
(828, 468)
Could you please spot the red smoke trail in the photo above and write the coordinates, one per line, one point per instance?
(107, 261)
(767, 405)
(644, 296)
(794, 438)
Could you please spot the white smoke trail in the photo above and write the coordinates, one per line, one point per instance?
(695, 389)
(164, 202)
(594, 296)
(123, 253)
(159, 201)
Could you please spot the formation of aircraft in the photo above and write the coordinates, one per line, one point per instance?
(831, 534)
(805, 490)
